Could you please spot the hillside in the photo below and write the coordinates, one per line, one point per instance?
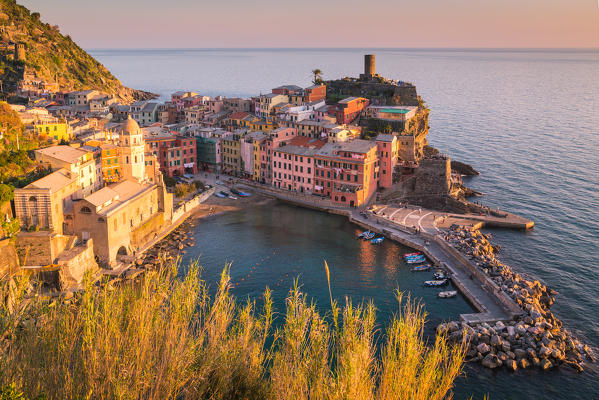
(51, 56)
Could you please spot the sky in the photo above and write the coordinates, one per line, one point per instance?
(97, 24)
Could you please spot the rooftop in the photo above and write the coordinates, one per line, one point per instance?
(63, 153)
(55, 181)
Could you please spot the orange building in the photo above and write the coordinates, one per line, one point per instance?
(347, 172)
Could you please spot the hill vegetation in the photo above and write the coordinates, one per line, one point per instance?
(52, 56)
(167, 338)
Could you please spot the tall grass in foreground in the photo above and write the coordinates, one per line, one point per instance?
(168, 338)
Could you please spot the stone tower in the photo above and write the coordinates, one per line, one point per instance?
(132, 144)
(369, 66)
(19, 52)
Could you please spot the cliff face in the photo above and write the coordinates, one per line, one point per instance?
(51, 56)
(378, 93)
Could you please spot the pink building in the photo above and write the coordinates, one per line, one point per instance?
(293, 164)
(273, 141)
(387, 152)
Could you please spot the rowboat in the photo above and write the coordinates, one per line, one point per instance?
(219, 194)
(448, 294)
(377, 240)
(407, 255)
(369, 236)
(424, 267)
(439, 275)
(415, 260)
(363, 234)
(436, 283)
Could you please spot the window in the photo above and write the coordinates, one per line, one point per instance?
(85, 210)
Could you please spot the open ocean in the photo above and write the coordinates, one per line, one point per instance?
(528, 120)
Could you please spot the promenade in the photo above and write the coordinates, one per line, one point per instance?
(421, 230)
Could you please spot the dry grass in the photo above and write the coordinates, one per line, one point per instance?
(168, 338)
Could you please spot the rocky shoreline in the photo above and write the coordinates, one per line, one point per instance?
(537, 338)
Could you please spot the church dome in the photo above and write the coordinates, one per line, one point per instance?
(131, 127)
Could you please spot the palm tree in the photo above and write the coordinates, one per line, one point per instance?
(317, 76)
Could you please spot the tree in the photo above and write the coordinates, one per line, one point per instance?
(6, 193)
(317, 76)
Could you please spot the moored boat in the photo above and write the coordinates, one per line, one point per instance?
(436, 283)
(219, 194)
(424, 267)
(447, 294)
(377, 240)
(408, 255)
(439, 275)
(416, 260)
(369, 236)
(363, 234)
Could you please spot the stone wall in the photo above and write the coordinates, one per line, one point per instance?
(147, 231)
(41, 248)
(9, 261)
(75, 262)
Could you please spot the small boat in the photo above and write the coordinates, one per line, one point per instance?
(377, 240)
(363, 234)
(415, 258)
(424, 267)
(408, 255)
(436, 283)
(448, 294)
(240, 193)
(222, 196)
(416, 261)
(232, 197)
(369, 235)
(439, 275)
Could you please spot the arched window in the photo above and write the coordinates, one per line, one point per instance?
(100, 219)
(85, 210)
(33, 199)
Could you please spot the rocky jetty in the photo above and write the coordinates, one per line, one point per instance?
(463, 169)
(536, 338)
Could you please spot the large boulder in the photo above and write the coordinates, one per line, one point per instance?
(496, 341)
(545, 364)
(512, 365)
(491, 361)
(483, 348)
(520, 353)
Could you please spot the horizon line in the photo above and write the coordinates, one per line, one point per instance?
(349, 48)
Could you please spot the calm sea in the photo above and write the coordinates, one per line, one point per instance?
(528, 120)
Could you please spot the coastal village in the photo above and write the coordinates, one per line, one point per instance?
(121, 177)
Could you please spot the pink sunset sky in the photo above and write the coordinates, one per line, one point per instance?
(324, 23)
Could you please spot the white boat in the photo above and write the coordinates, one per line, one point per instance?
(416, 260)
(377, 240)
(448, 294)
(363, 234)
(436, 283)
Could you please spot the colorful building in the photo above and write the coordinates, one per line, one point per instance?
(347, 172)
(388, 154)
(348, 109)
(231, 159)
(293, 164)
(55, 132)
(176, 154)
(111, 165)
(315, 93)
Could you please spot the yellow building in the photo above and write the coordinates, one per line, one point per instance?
(54, 131)
(231, 153)
(111, 164)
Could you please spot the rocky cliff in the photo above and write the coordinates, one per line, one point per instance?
(50, 56)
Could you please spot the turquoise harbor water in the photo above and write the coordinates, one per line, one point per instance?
(527, 119)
